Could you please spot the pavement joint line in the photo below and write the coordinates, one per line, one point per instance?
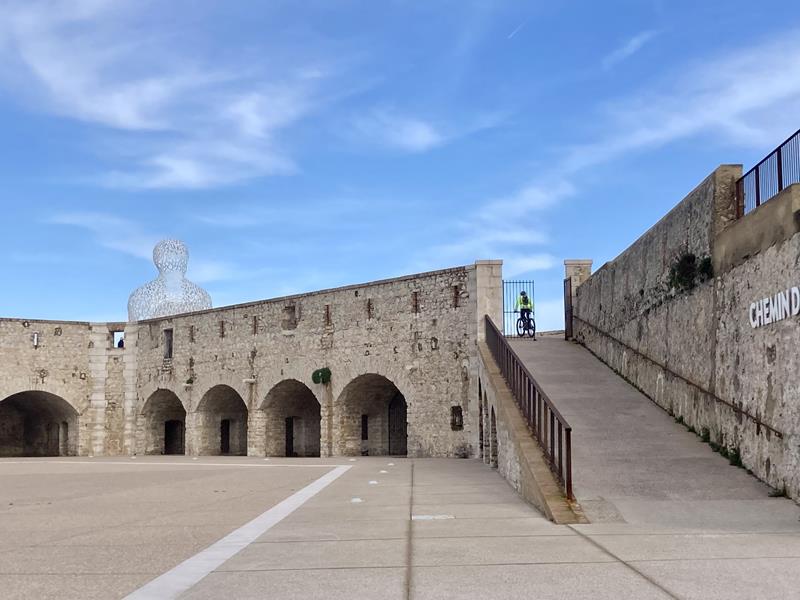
(409, 536)
(644, 576)
(184, 576)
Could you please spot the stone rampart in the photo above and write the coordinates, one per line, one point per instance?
(694, 351)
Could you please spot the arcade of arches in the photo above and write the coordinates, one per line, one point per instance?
(36, 423)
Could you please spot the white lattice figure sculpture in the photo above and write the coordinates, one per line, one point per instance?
(170, 293)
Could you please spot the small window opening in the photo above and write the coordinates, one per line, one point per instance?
(456, 418)
(456, 295)
(222, 329)
(415, 301)
(364, 427)
(369, 308)
(255, 325)
(168, 343)
(191, 333)
(327, 315)
(118, 339)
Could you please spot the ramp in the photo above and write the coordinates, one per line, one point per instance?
(633, 463)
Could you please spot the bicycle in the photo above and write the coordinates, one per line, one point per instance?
(526, 324)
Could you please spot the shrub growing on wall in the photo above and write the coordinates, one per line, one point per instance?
(687, 270)
(321, 375)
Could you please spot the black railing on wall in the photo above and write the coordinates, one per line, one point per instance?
(511, 290)
(548, 427)
(779, 170)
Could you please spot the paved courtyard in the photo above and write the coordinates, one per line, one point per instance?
(366, 528)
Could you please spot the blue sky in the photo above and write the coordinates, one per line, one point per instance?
(302, 145)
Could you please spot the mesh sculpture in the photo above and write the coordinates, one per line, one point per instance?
(170, 293)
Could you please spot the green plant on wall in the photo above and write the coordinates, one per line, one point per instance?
(685, 272)
(321, 375)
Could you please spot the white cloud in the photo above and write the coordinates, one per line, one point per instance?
(398, 131)
(629, 48)
(180, 123)
(111, 232)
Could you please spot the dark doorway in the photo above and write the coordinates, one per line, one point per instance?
(289, 436)
(225, 436)
(398, 426)
(173, 437)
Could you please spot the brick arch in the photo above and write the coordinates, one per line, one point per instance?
(38, 423)
(292, 414)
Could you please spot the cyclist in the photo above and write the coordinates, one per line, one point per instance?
(524, 306)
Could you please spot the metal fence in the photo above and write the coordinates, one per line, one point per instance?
(511, 290)
(780, 169)
(548, 427)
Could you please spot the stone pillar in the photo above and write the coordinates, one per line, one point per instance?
(578, 270)
(489, 290)
(129, 375)
(98, 371)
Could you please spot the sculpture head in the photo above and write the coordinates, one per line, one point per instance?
(171, 256)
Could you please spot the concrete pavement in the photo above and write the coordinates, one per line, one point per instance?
(422, 529)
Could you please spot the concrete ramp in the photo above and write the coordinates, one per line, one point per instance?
(633, 463)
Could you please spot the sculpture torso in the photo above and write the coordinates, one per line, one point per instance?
(170, 293)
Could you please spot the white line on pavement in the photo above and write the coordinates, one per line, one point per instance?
(187, 574)
(160, 464)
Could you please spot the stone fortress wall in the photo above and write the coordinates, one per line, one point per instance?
(401, 356)
(695, 352)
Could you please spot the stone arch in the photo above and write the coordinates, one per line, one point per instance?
(292, 414)
(220, 423)
(480, 418)
(493, 440)
(37, 423)
(162, 424)
(372, 418)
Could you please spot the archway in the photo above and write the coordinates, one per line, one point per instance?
(221, 422)
(164, 423)
(493, 441)
(36, 423)
(292, 415)
(480, 419)
(372, 418)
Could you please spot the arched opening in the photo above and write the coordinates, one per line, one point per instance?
(164, 422)
(372, 416)
(485, 423)
(292, 416)
(480, 418)
(38, 423)
(493, 441)
(221, 423)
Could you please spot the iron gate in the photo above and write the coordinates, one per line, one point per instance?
(511, 290)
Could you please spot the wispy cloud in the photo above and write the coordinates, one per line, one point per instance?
(186, 124)
(112, 232)
(398, 131)
(629, 48)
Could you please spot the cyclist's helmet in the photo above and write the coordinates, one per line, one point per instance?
(523, 293)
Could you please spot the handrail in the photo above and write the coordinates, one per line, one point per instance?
(547, 425)
(776, 171)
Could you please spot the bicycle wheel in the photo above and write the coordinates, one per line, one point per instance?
(521, 327)
(532, 329)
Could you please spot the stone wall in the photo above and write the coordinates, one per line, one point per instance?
(408, 344)
(694, 351)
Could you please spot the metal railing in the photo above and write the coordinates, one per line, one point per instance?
(780, 169)
(548, 427)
